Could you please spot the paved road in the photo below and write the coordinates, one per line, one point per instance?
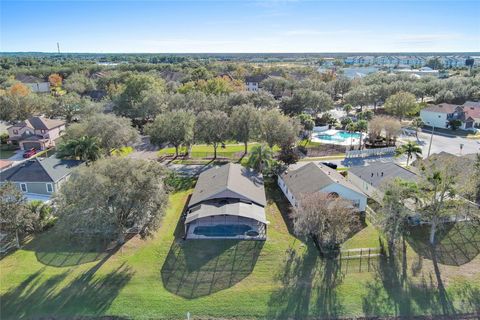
(450, 144)
(189, 169)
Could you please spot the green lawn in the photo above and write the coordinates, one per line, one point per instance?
(231, 150)
(165, 277)
(6, 151)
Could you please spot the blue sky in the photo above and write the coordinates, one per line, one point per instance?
(240, 26)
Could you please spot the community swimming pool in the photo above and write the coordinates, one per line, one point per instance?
(336, 137)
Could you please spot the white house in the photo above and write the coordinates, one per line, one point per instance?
(315, 177)
(253, 82)
(439, 115)
(372, 179)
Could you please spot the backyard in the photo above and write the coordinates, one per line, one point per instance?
(230, 150)
(283, 277)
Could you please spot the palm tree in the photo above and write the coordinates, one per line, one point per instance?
(347, 108)
(85, 148)
(260, 157)
(361, 126)
(410, 149)
(417, 123)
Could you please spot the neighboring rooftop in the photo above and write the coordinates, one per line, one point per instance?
(313, 177)
(229, 181)
(256, 78)
(442, 108)
(28, 78)
(378, 173)
(49, 169)
(40, 123)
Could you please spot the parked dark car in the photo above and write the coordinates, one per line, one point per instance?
(331, 165)
(30, 153)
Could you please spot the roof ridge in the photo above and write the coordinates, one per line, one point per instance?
(44, 169)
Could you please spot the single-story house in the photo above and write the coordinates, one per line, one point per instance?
(39, 178)
(441, 114)
(372, 179)
(36, 132)
(316, 177)
(228, 203)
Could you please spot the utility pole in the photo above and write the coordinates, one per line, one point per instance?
(58, 47)
(431, 138)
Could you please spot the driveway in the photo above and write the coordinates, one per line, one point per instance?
(144, 150)
(189, 169)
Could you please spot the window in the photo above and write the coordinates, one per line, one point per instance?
(15, 131)
(49, 187)
(23, 186)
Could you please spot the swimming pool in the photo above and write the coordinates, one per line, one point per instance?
(222, 230)
(336, 137)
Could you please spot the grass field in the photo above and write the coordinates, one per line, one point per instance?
(283, 277)
(231, 150)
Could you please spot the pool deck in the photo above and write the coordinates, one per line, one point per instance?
(340, 142)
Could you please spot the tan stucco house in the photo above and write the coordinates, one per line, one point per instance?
(36, 132)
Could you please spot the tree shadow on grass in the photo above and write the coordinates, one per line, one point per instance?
(53, 249)
(308, 287)
(44, 295)
(198, 268)
(457, 243)
(393, 292)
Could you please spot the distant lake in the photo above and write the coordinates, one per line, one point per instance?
(352, 73)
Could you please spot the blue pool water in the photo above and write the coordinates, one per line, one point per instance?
(339, 136)
(222, 230)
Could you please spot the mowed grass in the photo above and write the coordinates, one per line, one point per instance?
(166, 277)
(230, 150)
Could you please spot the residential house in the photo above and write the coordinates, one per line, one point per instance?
(39, 178)
(253, 82)
(472, 109)
(36, 132)
(440, 115)
(228, 202)
(373, 178)
(316, 177)
(35, 84)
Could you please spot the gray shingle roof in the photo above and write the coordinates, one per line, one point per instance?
(58, 168)
(232, 208)
(46, 170)
(378, 173)
(314, 177)
(256, 78)
(229, 181)
(39, 123)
